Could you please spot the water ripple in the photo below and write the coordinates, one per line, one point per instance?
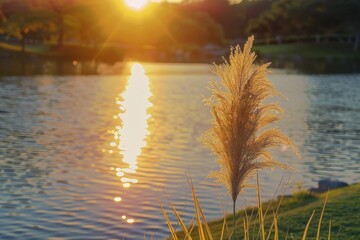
(58, 166)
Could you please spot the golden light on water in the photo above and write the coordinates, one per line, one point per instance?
(130, 136)
(133, 114)
(130, 220)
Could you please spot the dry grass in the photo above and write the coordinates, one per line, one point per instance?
(200, 229)
(237, 135)
(241, 139)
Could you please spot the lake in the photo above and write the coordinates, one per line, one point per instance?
(94, 157)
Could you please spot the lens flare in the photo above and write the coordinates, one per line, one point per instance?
(136, 4)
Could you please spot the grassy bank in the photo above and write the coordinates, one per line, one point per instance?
(308, 50)
(332, 58)
(342, 209)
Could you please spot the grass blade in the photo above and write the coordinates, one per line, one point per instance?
(276, 234)
(197, 212)
(245, 230)
(261, 217)
(187, 235)
(173, 233)
(321, 216)
(223, 229)
(204, 219)
(307, 226)
(192, 225)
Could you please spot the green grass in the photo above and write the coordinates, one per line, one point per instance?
(342, 208)
(307, 50)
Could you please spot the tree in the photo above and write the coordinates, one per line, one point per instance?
(20, 21)
(197, 29)
(286, 17)
(57, 11)
(218, 10)
(2, 21)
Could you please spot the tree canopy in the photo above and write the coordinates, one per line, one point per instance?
(99, 21)
(192, 22)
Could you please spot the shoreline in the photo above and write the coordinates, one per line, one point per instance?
(301, 58)
(37, 65)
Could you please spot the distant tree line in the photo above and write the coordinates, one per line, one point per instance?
(96, 22)
(284, 18)
(192, 23)
(329, 18)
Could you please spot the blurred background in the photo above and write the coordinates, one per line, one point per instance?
(287, 32)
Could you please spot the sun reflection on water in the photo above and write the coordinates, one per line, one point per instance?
(130, 137)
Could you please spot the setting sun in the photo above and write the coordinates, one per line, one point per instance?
(136, 4)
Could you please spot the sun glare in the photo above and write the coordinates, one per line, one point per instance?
(136, 4)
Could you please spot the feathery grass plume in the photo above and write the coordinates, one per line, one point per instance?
(237, 135)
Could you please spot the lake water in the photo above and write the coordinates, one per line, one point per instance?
(93, 157)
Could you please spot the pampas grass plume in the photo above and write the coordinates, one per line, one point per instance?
(239, 135)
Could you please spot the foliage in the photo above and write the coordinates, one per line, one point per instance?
(22, 23)
(2, 21)
(96, 22)
(286, 17)
(281, 17)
